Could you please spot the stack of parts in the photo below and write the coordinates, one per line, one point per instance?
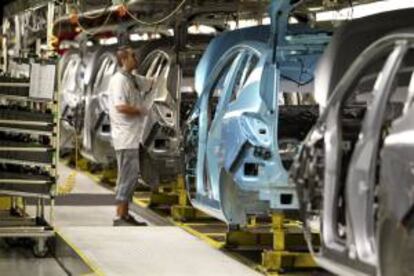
(28, 153)
(27, 140)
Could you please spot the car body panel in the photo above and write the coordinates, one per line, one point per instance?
(161, 136)
(71, 68)
(237, 170)
(96, 139)
(337, 168)
(396, 226)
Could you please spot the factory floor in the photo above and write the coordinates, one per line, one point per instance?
(83, 220)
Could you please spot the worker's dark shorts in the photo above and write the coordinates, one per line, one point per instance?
(128, 173)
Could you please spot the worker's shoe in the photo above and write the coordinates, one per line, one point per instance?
(132, 220)
(127, 221)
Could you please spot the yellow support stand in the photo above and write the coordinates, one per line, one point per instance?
(5, 203)
(163, 197)
(109, 176)
(254, 236)
(83, 164)
(286, 237)
(183, 211)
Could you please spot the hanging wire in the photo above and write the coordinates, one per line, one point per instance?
(157, 22)
(94, 16)
(98, 29)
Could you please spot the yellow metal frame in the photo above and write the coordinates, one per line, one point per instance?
(285, 234)
(183, 210)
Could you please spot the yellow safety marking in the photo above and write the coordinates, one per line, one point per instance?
(208, 240)
(140, 202)
(215, 234)
(69, 184)
(92, 265)
(204, 224)
(94, 177)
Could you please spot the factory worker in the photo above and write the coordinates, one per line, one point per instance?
(127, 114)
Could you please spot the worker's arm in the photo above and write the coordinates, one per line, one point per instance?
(131, 110)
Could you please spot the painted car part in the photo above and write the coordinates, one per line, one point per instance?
(236, 170)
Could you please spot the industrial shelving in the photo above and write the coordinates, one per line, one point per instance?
(28, 154)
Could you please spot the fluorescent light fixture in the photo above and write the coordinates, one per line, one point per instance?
(108, 41)
(293, 20)
(201, 29)
(244, 23)
(359, 11)
(266, 20)
(135, 37)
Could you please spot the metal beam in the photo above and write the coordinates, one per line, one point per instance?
(18, 6)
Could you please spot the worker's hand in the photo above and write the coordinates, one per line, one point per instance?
(142, 111)
(132, 110)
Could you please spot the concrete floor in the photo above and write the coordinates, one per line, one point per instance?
(19, 261)
(82, 213)
(152, 251)
(85, 219)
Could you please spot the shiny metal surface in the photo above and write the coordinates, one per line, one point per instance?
(172, 82)
(71, 69)
(235, 168)
(342, 171)
(96, 138)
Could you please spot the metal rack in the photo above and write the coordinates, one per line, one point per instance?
(28, 160)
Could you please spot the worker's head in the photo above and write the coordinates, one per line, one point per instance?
(126, 58)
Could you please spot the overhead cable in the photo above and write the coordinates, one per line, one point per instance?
(157, 22)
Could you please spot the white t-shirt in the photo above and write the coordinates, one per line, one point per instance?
(126, 89)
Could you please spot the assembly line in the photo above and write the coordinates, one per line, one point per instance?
(196, 137)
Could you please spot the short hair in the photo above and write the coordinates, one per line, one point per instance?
(122, 53)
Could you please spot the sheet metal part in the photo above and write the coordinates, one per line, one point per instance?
(343, 170)
(84, 102)
(237, 169)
